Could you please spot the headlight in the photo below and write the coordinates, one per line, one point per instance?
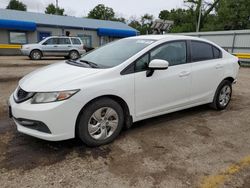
(25, 47)
(52, 96)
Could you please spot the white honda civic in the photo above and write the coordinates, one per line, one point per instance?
(129, 80)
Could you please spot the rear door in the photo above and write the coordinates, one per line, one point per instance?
(64, 46)
(207, 71)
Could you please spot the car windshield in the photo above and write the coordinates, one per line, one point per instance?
(116, 52)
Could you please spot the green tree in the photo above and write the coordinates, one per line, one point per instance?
(16, 5)
(102, 12)
(233, 15)
(52, 9)
(146, 22)
(206, 7)
(135, 24)
(184, 20)
(119, 19)
(143, 24)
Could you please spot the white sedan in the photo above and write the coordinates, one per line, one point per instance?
(126, 81)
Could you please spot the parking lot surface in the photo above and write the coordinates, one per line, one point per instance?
(197, 147)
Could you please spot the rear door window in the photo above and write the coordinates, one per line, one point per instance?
(201, 51)
(63, 41)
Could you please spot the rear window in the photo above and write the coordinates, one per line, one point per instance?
(76, 41)
(217, 53)
(201, 51)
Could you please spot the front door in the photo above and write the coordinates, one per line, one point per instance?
(50, 47)
(166, 89)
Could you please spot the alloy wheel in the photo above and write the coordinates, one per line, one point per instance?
(103, 123)
(225, 95)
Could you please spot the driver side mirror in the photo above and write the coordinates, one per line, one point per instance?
(157, 64)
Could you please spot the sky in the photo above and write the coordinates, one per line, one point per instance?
(127, 8)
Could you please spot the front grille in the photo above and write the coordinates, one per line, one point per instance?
(22, 95)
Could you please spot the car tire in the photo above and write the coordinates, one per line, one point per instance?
(36, 55)
(100, 122)
(222, 96)
(74, 54)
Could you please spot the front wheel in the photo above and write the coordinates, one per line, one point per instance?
(74, 54)
(36, 55)
(222, 95)
(100, 122)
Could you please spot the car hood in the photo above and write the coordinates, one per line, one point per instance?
(30, 45)
(56, 77)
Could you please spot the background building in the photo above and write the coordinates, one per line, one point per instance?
(20, 27)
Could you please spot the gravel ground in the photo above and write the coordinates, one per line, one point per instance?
(13, 68)
(25, 61)
(197, 147)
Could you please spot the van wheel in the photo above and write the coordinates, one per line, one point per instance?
(36, 55)
(74, 54)
(100, 122)
(222, 95)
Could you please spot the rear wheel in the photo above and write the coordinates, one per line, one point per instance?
(100, 122)
(36, 55)
(222, 95)
(73, 54)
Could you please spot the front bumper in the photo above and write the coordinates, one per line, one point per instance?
(59, 117)
(25, 52)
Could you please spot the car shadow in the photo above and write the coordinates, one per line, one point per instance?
(25, 152)
(172, 116)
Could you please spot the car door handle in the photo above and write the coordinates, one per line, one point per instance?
(69, 46)
(184, 74)
(218, 66)
(55, 46)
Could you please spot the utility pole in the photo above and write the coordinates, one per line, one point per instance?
(199, 19)
(56, 7)
(57, 13)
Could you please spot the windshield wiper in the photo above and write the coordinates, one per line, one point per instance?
(72, 61)
(91, 64)
(77, 63)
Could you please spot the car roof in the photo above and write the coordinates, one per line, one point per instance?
(168, 37)
(62, 37)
